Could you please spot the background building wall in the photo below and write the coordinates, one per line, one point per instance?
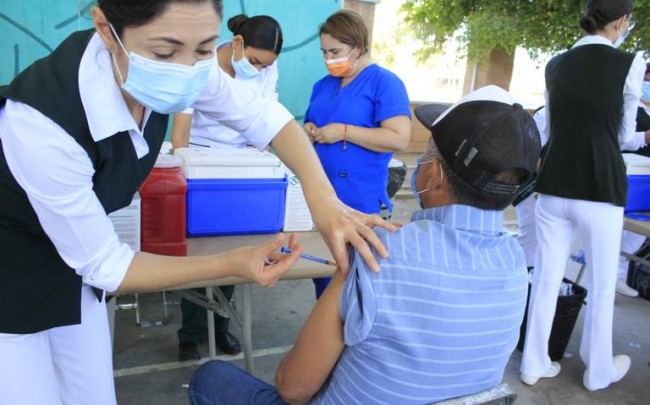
(31, 29)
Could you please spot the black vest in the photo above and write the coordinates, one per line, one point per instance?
(583, 159)
(38, 290)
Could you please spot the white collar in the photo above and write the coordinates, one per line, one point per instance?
(105, 107)
(593, 39)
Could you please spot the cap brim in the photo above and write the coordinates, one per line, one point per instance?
(429, 113)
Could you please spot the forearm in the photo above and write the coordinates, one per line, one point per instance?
(149, 272)
(295, 150)
(180, 135)
(378, 139)
(313, 357)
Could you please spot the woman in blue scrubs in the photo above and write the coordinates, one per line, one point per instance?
(358, 115)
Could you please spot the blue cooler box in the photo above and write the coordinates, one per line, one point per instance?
(638, 178)
(233, 191)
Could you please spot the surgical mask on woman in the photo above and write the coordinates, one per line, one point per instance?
(243, 67)
(630, 24)
(340, 67)
(645, 91)
(163, 87)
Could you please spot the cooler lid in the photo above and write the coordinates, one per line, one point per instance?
(235, 157)
(220, 163)
(636, 164)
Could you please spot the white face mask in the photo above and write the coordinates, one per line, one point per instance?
(163, 87)
(630, 24)
(243, 67)
(621, 38)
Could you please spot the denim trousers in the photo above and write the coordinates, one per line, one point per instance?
(221, 383)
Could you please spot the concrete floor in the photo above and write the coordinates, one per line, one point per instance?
(147, 371)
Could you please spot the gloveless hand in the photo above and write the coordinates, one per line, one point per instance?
(251, 262)
(330, 133)
(339, 225)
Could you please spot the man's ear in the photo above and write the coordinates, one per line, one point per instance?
(104, 30)
(436, 174)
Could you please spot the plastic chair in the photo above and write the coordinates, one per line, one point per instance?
(501, 394)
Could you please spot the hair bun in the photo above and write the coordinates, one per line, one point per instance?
(588, 23)
(235, 23)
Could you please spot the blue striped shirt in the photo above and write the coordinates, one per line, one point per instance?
(442, 317)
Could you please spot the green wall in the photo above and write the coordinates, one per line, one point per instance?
(30, 29)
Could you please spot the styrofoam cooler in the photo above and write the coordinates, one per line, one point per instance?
(233, 191)
(638, 177)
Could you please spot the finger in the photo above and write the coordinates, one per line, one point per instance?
(271, 274)
(376, 220)
(363, 249)
(364, 228)
(337, 245)
(397, 224)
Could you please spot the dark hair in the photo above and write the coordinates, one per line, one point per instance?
(135, 13)
(347, 27)
(260, 31)
(599, 13)
(463, 193)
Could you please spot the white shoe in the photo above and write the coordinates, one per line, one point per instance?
(552, 371)
(624, 289)
(622, 364)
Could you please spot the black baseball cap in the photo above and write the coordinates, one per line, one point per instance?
(485, 133)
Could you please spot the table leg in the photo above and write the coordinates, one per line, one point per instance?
(247, 328)
(212, 344)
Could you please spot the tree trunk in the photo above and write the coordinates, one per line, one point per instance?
(494, 69)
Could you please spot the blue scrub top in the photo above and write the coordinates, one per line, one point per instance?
(359, 175)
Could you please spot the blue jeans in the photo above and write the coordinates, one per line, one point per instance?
(218, 382)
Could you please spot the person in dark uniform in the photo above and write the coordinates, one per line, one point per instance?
(80, 131)
(593, 92)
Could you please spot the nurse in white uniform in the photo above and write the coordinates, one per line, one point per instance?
(249, 58)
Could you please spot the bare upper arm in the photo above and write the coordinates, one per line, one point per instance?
(401, 125)
(318, 347)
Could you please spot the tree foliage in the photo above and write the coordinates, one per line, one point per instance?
(540, 26)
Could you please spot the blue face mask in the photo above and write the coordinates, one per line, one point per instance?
(645, 91)
(243, 67)
(414, 189)
(164, 87)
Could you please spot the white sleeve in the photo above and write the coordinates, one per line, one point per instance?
(57, 175)
(237, 106)
(628, 138)
(542, 125)
(271, 79)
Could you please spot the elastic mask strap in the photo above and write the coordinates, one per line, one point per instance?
(113, 56)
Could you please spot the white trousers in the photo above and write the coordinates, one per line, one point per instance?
(630, 243)
(526, 236)
(68, 365)
(599, 230)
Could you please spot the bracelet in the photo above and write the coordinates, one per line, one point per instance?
(345, 135)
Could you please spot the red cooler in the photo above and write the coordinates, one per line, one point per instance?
(163, 212)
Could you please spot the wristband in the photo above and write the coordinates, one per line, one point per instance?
(345, 135)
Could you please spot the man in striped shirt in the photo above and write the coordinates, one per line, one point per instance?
(442, 317)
